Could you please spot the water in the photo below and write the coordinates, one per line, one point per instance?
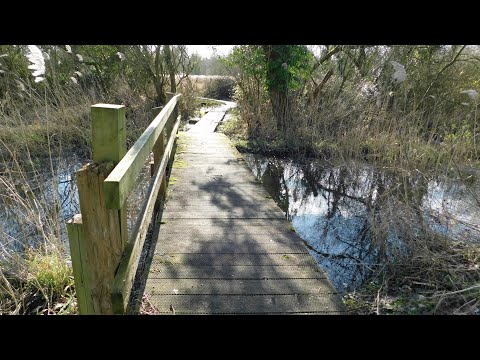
(26, 221)
(352, 218)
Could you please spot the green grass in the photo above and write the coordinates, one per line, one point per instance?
(40, 283)
(211, 103)
(172, 180)
(179, 164)
(443, 281)
(182, 141)
(203, 106)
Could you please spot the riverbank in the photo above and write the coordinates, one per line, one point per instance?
(391, 238)
(38, 194)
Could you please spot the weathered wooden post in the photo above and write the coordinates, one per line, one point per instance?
(76, 240)
(98, 237)
(160, 145)
(158, 150)
(171, 124)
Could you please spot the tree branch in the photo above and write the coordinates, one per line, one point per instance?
(327, 56)
(322, 83)
(440, 73)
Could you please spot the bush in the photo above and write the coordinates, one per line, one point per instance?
(219, 87)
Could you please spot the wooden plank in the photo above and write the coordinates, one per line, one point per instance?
(236, 272)
(80, 274)
(253, 233)
(170, 124)
(108, 132)
(247, 304)
(109, 144)
(170, 96)
(129, 263)
(226, 197)
(213, 169)
(122, 178)
(103, 237)
(159, 146)
(203, 259)
(179, 189)
(215, 176)
(189, 246)
(208, 123)
(219, 252)
(219, 187)
(217, 238)
(178, 286)
(228, 225)
(158, 151)
(209, 207)
(98, 239)
(227, 214)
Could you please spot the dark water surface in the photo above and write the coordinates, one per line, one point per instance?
(41, 198)
(49, 202)
(350, 217)
(337, 211)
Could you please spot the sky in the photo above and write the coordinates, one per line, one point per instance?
(207, 50)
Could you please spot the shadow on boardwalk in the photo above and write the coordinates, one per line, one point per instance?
(224, 247)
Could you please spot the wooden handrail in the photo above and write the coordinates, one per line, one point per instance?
(125, 275)
(121, 180)
(104, 261)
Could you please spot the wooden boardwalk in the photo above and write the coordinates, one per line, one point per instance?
(224, 246)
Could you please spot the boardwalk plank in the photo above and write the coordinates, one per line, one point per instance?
(177, 286)
(237, 272)
(247, 304)
(251, 259)
(224, 246)
(189, 246)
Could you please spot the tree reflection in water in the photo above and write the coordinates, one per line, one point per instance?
(352, 218)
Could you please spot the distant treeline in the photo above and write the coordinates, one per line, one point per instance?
(214, 65)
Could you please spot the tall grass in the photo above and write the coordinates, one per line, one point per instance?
(438, 274)
(39, 128)
(215, 86)
(351, 125)
(36, 276)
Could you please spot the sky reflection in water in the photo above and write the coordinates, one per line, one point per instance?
(331, 209)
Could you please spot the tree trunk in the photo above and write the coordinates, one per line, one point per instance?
(171, 69)
(280, 109)
(161, 97)
(158, 78)
(277, 84)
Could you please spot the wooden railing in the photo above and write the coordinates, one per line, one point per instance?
(104, 259)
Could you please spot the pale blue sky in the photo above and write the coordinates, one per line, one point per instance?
(207, 50)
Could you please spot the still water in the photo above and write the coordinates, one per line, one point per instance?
(36, 204)
(350, 217)
(354, 217)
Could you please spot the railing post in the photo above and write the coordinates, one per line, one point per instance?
(158, 150)
(104, 232)
(171, 123)
(76, 240)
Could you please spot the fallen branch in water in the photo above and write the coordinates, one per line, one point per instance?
(457, 292)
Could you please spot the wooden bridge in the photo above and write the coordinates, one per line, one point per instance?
(221, 245)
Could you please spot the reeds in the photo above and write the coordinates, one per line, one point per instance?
(437, 274)
(36, 133)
